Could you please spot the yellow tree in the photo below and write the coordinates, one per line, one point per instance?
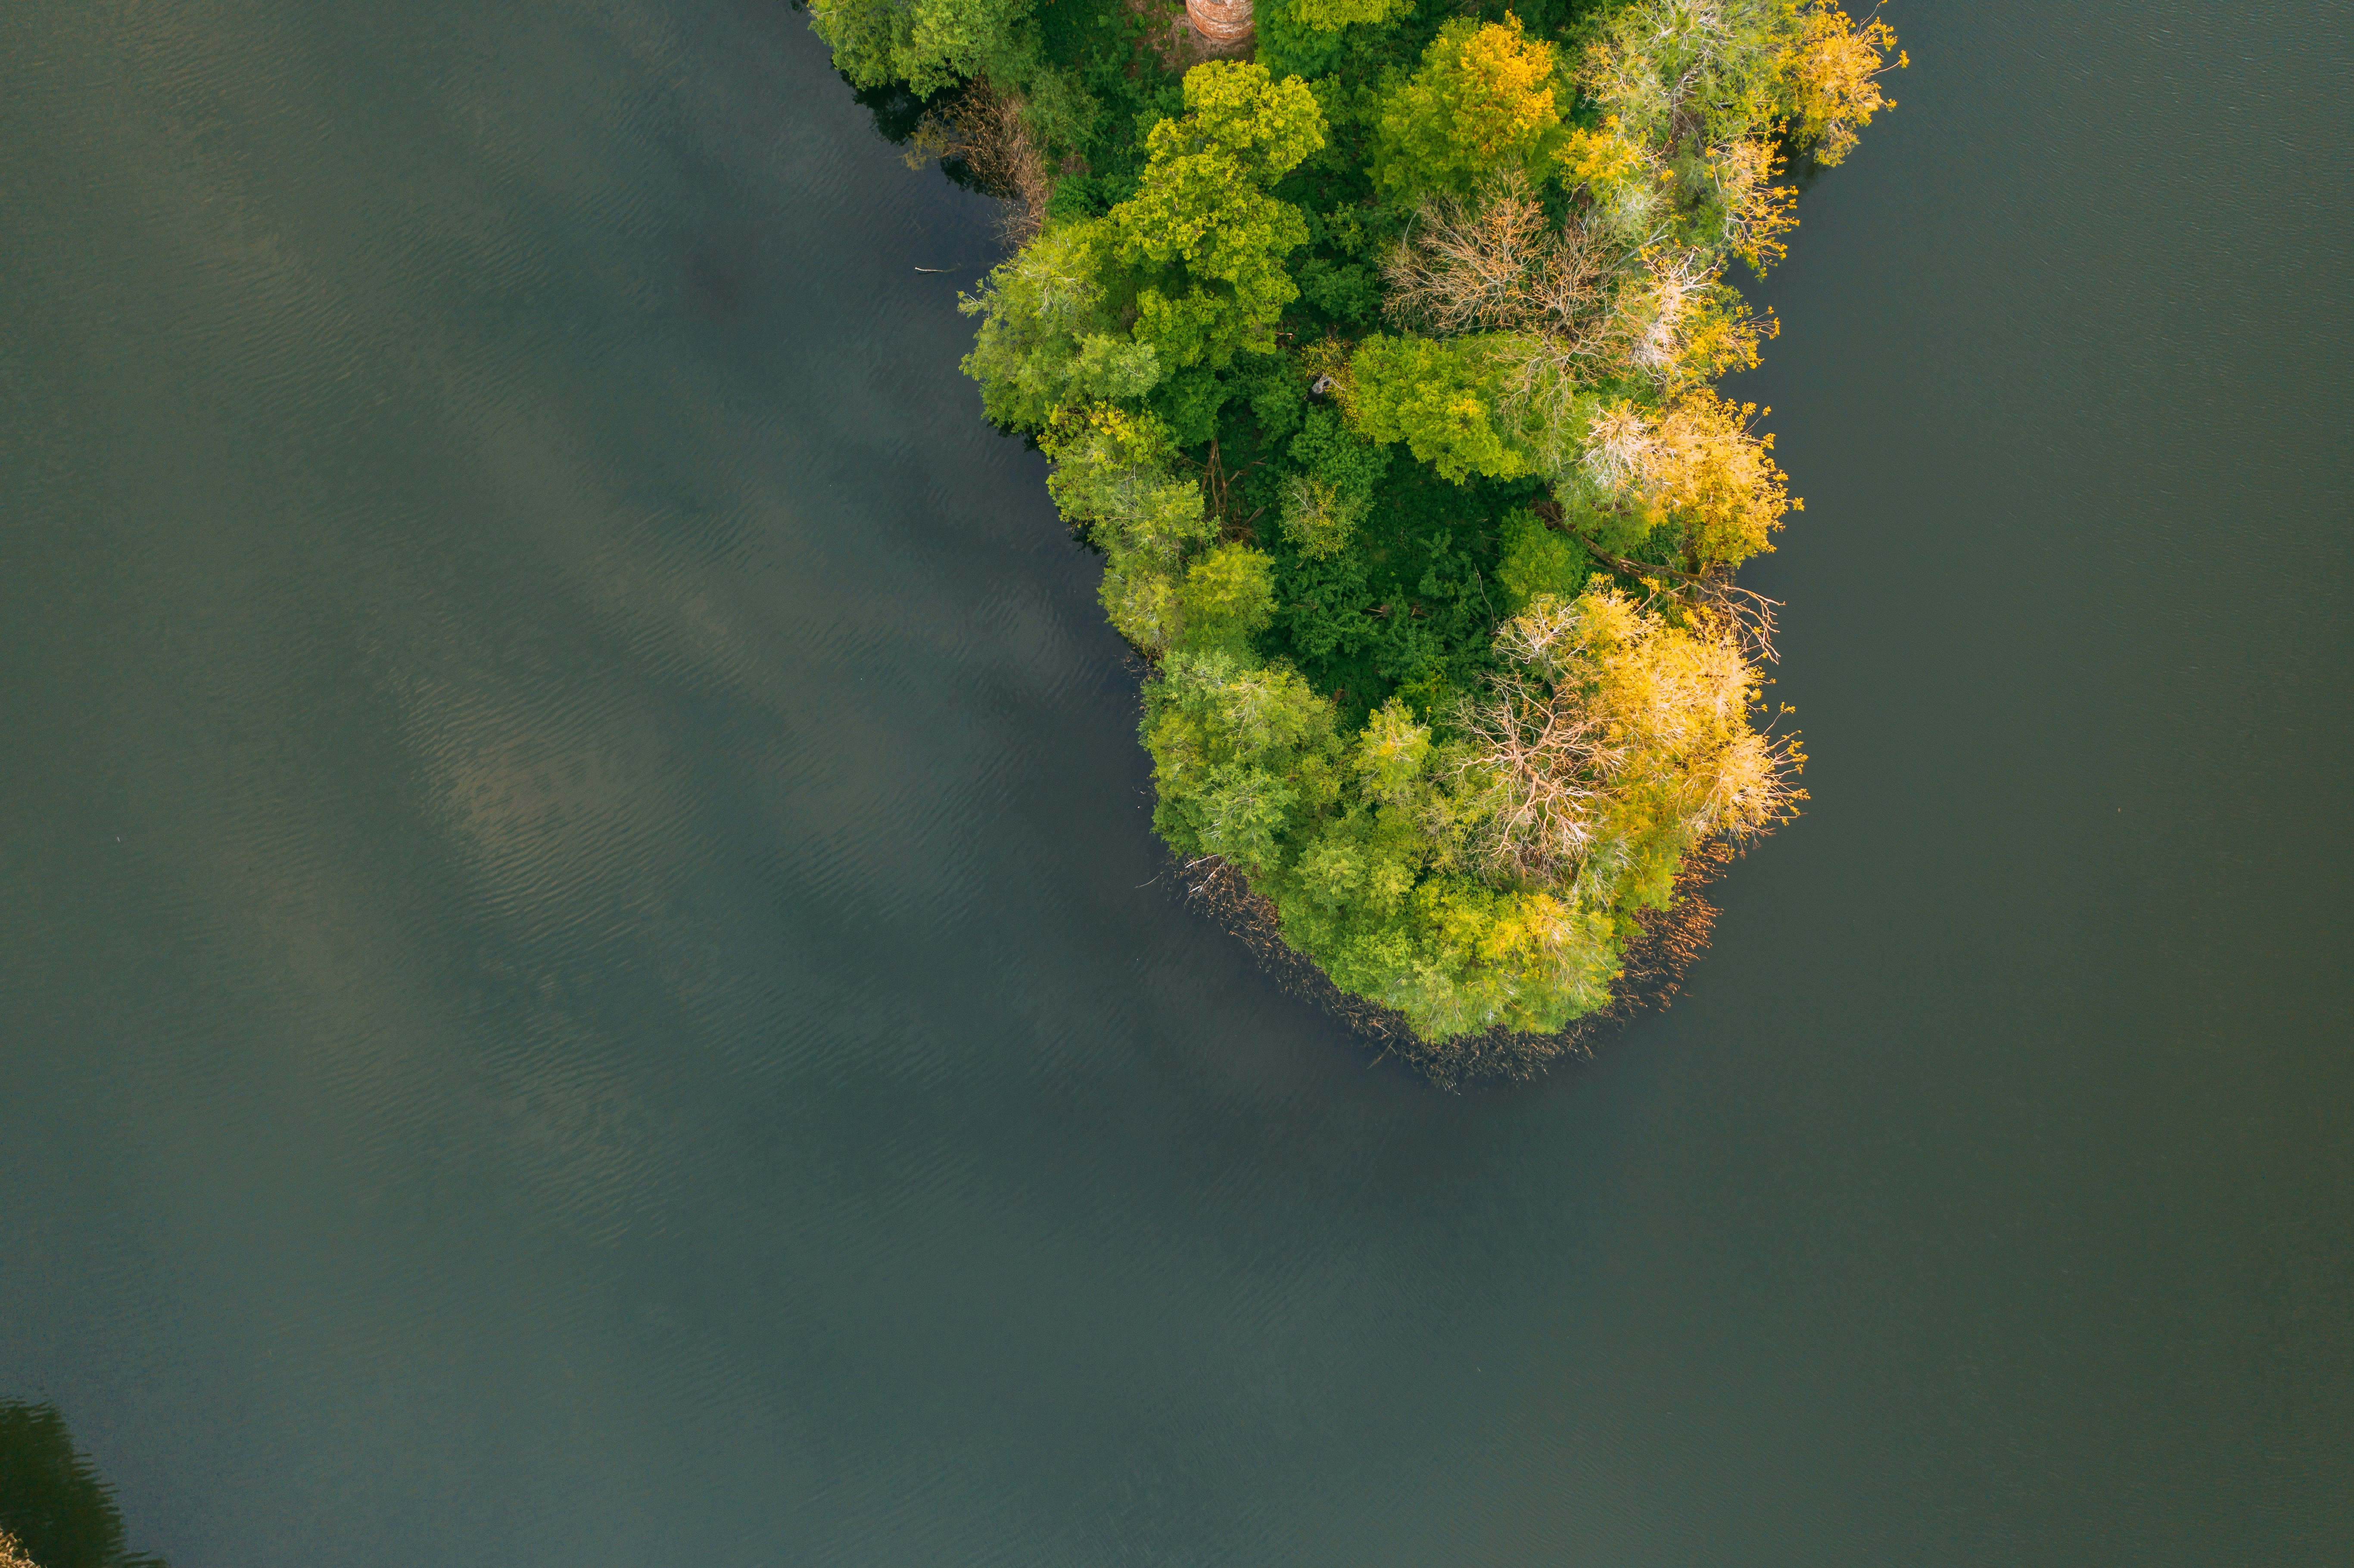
(1485, 98)
(1698, 465)
(1613, 738)
(1833, 70)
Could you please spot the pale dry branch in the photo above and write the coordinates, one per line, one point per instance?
(1494, 263)
(1621, 448)
(984, 129)
(1542, 760)
(1748, 613)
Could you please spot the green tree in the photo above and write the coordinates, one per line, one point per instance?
(1332, 16)
(1228, 597)
(1049, 337)
(1680, 72)
(1203, 231)
(927, 44)
(1393, 754)
(1111, 479)
(1112, 474)
(1439, 397)
(1453, 954)
(1244, 760)
(53, 1504)
(1536, 559)
(1341, 472)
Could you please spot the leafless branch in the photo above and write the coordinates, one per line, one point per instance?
(985, 129)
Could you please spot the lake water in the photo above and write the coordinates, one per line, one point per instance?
(586, 981)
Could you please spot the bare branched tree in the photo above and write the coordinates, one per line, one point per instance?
(1711, 593)
(1569, 310)
(1495, 264)
(1540, 752)
(984, 129)
(1543, 762)
(1621, 448)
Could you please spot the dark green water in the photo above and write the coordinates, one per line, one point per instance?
(583, 978)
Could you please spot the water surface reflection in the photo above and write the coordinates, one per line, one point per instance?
(55, 1511)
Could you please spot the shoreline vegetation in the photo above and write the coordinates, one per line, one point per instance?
(1374, 347)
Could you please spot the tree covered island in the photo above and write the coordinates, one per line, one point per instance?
(1379, 366)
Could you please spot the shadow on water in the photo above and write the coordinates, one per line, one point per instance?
(898, 111)
(52, 1501)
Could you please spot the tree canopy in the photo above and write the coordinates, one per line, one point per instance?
(1487, 96)
(927, 44)
(1204, 233)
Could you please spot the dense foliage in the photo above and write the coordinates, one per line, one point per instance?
(1379, 367)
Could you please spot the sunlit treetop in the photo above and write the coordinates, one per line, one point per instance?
(1201, 227)
(1238, 121)
(1332, 16)
(1486, 97)
(1834, 69)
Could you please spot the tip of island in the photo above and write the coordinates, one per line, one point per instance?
(1375, 348)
